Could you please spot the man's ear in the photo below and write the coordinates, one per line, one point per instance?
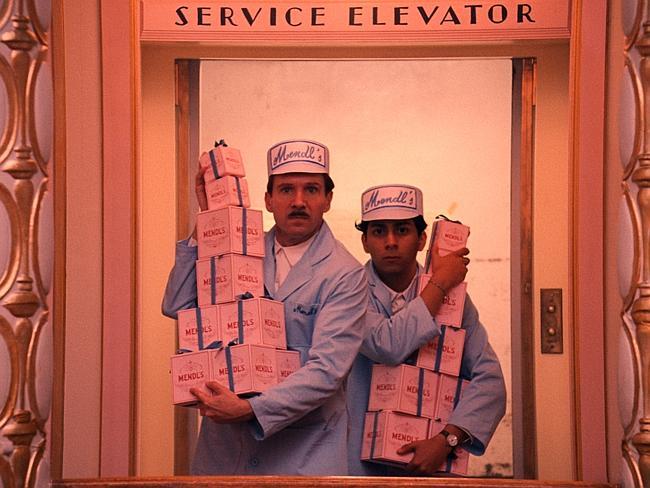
(267, 202)
(422, 240)
(363, 241)
(329, 201)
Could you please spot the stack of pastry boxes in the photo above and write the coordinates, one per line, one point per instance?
(412, 402)
(235, 336)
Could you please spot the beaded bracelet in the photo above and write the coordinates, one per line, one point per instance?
(434, 283)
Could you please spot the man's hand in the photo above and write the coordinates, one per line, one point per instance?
(446, 272)
(450, 270)
(222, 405)
(199, 190)
(428, 455)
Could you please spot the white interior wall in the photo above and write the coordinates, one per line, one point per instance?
(442, 125)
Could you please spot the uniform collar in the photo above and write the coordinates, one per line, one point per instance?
(383, 294)
(293, 253)
(321, 246)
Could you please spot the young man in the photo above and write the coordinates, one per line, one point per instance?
(299, 426)
(399, 321)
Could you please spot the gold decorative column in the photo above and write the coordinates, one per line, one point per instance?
(24, 199)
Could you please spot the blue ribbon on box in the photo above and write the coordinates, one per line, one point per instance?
(212, 345)
(213, 164)
(219, 345)
(199, 330)
(450, 460)
(231, 380)
(199, 327)
(213, 160)
(240, 320)
(244, 224)
(240, 314)
(420, 388)
(459, 386)
(374, 435)
(441, 342)
(444, 217)
(428, 258)
(241, 200)
(213, 280)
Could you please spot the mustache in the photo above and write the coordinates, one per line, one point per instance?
(298, 213)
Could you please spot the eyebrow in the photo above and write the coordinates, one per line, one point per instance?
(385, 223)
(292, 183)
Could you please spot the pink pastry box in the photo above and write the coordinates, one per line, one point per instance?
(386, 431)
(457, 463)
(229, 190)
(191, 337)
(262, 322)
(288, 363)
(189, 370)
(444, 353)
(398, 388)
(221, 232)
(453, 304)
(221, 161)
(222, 279)
(450, 391)
(449, 236)
(251, 368)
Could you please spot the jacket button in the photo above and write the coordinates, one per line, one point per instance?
(254, 461)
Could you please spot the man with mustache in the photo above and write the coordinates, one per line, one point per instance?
(399, 321)
(298, 427)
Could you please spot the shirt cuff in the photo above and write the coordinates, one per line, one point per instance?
(470, 438)
(254, 425)
(418, 306)
(184, 251)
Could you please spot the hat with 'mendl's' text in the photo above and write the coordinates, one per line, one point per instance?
(298, 156)
(391, 202)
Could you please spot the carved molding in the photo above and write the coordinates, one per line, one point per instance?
(636, 305)
(24, 313)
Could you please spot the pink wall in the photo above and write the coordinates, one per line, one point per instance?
(588, 82)
(119, 240)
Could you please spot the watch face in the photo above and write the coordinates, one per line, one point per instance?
(452, 440)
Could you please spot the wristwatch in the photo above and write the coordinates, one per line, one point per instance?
(451, 439)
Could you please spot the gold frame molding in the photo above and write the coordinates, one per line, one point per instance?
(23, 292)
(635, 312)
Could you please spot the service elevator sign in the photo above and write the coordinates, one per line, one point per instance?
(349, 21)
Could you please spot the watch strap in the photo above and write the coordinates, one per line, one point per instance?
(447, 434)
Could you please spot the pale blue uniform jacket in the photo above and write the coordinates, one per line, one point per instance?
(301, 424)
(390, 339)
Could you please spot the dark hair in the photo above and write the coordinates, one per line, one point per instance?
(329, 184)
(419, 222)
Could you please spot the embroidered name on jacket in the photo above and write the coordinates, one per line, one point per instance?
(311, 310)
